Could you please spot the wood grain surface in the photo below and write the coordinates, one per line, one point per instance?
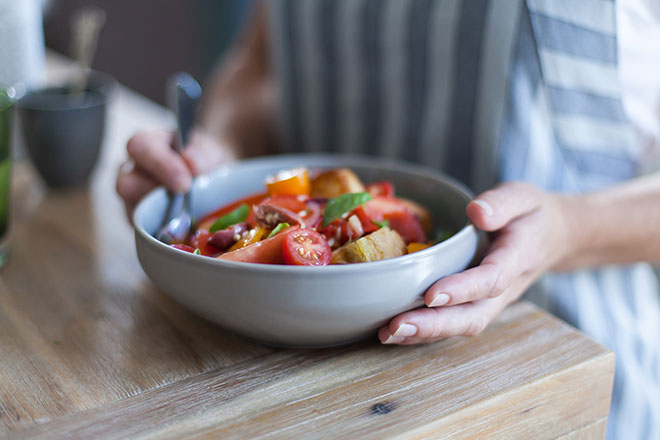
(89, 348)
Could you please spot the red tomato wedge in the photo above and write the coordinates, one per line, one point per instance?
(336, 231)
(398, 216)
(381, 189)
(367, 221)
(184, 247)
(408, 226)
(268, 251)
(304, 247)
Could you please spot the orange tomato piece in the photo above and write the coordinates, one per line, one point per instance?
(253, 236)
(416, 247)
(293, 182)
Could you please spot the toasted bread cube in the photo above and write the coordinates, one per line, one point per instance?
(379, 245)
(333, 183)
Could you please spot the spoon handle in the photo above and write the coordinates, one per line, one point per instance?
(183, 94)
(86, 27)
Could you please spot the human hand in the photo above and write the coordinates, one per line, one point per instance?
(530, 236)
(153, 162)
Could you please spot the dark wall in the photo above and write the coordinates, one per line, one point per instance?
(144, 41)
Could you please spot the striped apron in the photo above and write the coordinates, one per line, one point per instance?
(487, 91)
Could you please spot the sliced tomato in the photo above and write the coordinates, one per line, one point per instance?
(381, 189)
(304, 247)
(289, 182)
(367, 220)
(400, 218)
(336, 232)
(408, 226)
(268, 251)
(200, 241)
(184, 247)
(380, 208)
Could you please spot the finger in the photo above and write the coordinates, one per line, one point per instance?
(204, 152)
(153, 154)
(468, 319)
(495, 208)
(133, 185)
(498, 270)
(426, 325)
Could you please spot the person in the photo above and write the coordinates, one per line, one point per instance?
(523, 100)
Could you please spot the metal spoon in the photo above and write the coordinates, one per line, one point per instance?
(86, 27)
(183, 94)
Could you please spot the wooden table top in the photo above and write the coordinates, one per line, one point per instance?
(90, 348)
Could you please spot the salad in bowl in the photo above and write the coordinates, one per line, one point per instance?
(313, 218)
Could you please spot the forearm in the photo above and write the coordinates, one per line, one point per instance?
(238, 107)
(617, 225)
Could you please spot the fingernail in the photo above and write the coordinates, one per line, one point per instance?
(393, 340)
(440, 300)
(405, 330)
(485, 206)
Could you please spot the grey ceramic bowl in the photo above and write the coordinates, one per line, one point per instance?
(306, 306)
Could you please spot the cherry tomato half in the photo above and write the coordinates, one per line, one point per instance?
(289, 182)
(304, 247)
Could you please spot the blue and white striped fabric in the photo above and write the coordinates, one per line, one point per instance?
(488, 91)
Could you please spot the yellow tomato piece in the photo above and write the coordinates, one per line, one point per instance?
(293, 182)
(415, 247)
(252, 236)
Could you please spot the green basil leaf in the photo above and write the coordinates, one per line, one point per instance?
(197, 252)
(279, 228)
(442, 235)
(236, 216)
(384, 224)
(341, 205)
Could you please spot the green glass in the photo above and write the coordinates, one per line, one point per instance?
(6, 104)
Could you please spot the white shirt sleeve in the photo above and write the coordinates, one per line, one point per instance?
(638, 26)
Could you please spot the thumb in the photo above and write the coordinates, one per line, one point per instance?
(495, 208)
(205, 152)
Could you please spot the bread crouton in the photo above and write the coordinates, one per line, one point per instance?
(333, 183)
(379, 245)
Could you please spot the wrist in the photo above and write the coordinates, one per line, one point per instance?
(576, 231)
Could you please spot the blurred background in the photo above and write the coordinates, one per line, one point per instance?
(144, 41)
